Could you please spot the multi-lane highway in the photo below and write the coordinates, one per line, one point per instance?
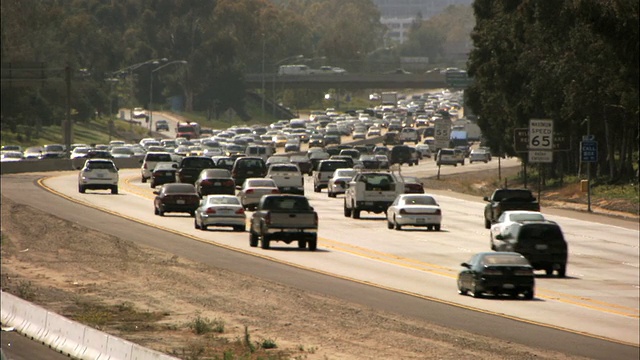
(596, 306)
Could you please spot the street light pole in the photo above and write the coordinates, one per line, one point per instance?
(111, 122)
(151, 88)
(263, 89)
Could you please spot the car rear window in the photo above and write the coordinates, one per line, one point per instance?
(512, 194)
(420, 200)
(540, 232)
(504, 259)
(197, 162)
(158, 157)
(99, 165)
(179, 188)
(333, 165)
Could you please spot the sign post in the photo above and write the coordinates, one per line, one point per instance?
(442, 136)
(588, 154)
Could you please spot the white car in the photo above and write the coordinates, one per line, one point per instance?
(220, 210)
(478, 155)
(338, 182)
(510, 217)
(409, 134)
(98, 174)
(414, 210)
(424, 149)
(252, 190)
(10, 155)
(151, 159)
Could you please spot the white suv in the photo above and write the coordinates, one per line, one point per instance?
(409, 134)
(151, 159)
(98, 174)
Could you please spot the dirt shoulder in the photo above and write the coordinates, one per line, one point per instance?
(193, 311)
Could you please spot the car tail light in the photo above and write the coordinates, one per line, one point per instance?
(403, 212)
(523, 272)
(267, 219)
(275, 191)
(340, 183)
(240, 211)
(211, 211)
(205, 182)
(249, 191)
(492, 272)
(315, 218)
(438, 212)
(229, 183)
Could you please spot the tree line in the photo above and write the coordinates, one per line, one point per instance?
(575, 62)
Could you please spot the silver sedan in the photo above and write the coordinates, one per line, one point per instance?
(220, 210)
(338, 183)
(414, 210)
(252, 190)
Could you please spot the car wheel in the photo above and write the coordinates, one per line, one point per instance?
(562, 271)
(437, 227)
(316, 189)
(160, 212)
(143, 179)
(302, 244)
(476, 293)
(396, 225)
(81, 189)
(114, 190)
(461, 290)
(355, 213)
(192, 213)
(240, 228)
(153, 185)
(549, 271)
(389, 225)
(347, 211)
(529, 294)
(253, 239)
(265, 242)
(331, 195)
(195, 224)
(487, 224)
(155, 211)
(313, 243)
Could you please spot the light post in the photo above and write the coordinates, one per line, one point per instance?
(151, 88)
(263, 87)
(111, 81)
(273, 83)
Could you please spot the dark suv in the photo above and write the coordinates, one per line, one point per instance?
(248, 167)
(541, 242)
(402, 154)
(191, 166)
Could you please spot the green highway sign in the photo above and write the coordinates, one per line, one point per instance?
(460, 79)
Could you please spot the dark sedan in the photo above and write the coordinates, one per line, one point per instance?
(497, 273)
(215, 182)
(163, 173)
(303, 162)
(413, 185)
(176, 197)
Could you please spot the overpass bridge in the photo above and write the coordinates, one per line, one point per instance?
(346, 81)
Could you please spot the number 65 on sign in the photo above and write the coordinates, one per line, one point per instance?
(540, 134)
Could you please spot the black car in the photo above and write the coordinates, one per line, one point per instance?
(191, 166)
(402, 154)
(303, 162)
(214, 182)
(162, 125)
(391, 138)
(248, 167)
(163, 173)
(541, 242)
(176, 197)
(497, 273)
(370, 162)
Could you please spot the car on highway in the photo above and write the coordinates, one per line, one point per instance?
(413, 185)
(478, 155)
(33, 152)
(79, 152)
(176, 197)
(215, 182)
(163, 173)
(220, 210)
(248, 167)
(383, 161)
(98, 174)
(52, 151)
(424, 149)
(497, 273)
(374, 131)
(338, 182)
(303, 162)
(253, 189)
(11, 155)
(414, 210)
(510, 217)
(162, 125)
(149, 163)
(121, 152)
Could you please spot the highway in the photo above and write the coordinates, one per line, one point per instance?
(412, 271)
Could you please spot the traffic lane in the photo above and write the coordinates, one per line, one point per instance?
(23, 191)
(368, 254)
(19, 347)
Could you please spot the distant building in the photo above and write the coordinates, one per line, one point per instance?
(398, 15)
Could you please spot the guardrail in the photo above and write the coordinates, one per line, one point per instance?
(60, 165)
(69, 337)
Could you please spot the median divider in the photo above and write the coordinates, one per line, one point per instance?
(67, 336)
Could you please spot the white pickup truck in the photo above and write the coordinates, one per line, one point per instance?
(287, 177)
(371, 192)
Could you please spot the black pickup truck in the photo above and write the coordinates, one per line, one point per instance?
(508, 199)
(286, 218)
(191, 166)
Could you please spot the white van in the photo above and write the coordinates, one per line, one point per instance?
(294, 70)
(262, 151)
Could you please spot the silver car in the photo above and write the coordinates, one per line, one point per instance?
(252, 190)
(220, 210)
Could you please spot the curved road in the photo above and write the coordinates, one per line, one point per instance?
(592, 313)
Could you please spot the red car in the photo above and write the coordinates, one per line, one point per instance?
(176, 197)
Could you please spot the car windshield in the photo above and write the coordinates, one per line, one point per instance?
(179, 188)
(419, 200)
(526, 217)
(504, 259)
(223, 200)
(99, 165)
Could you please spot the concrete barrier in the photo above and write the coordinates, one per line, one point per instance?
(59, 165)
(67, 336)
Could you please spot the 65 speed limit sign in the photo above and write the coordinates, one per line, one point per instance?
(540, 134)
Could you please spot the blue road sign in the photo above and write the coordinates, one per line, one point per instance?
(589, 151)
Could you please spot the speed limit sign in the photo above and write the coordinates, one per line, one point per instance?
(540, 134)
